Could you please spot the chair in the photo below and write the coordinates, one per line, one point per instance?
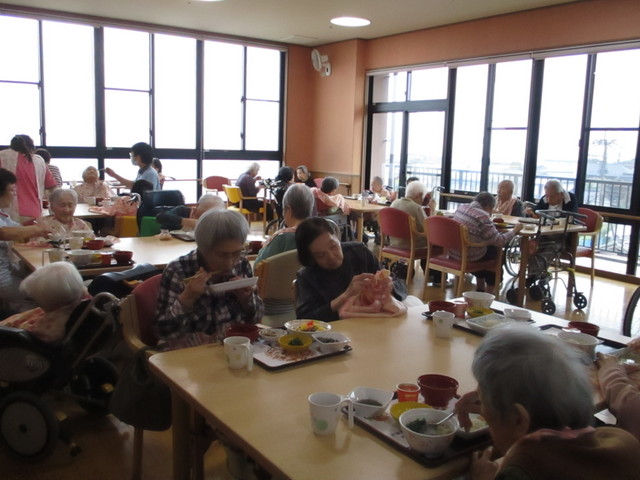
(449, 234)
(275, 276)
(593, 223)
(234, 195)
(149, 227)
(398, 223)
(631, 321)
(318, 182)
(215, 183)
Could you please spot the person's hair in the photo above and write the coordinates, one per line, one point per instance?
(412, 179)
(510, 183)
(208, 202)
(253, 168)
(414, 189)
(300, 199)
(486, 200)
(377, 179)
(23, 144)
(86, 170)
(555, 184)
(141, 186)
(145, 151)
(54, 286)
(6, 178)
(518, 364)
(157, 164)
(304, 169)
(329, 184)
(44, 153)
(285, 174)
(58, 193)
(308, 231)
(217, 226)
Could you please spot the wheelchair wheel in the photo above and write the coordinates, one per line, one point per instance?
(512, 296)
(28, 426)
(580, 301)
(535, 292)
(272, 227)
(547, 306)
(512, 257)
(93, 383)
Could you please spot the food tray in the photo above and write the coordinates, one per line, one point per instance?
(100, 265)
(388, 429)
(461, 323)
(607, 346)
(275, 358)
(184, 236)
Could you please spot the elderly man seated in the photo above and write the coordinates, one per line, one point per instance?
(536, 395)
(184, 217)
(411, 203)
(297, 205)
(507, 203)
(476, 216)
(555, 198)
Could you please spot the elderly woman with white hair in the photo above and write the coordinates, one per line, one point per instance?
(411, 203)
(92, 186)
(62, 203)
(297, 205)
(536, 395)
(189, 312)
(247, 184)
(57, 289)
(555, 198)
(506, 202)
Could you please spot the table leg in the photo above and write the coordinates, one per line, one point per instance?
(360, 227)
(572, 245)
(522, 272)
(181, 438)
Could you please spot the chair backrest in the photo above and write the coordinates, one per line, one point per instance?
(318, 182)
(149, 227)
(162, 198)
(233, 193)
(394, 223)
(443, 232)
(146, 295)
(215, 183)
(321, 207)
(275, 276)
(593, 221)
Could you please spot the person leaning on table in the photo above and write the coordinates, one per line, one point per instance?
(189, 313)
(555, 198)
(536, 396)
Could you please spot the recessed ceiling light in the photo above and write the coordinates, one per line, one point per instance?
(350, 21)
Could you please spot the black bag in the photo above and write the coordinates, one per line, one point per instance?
(141, 399)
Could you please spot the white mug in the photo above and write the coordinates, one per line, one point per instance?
(444, 323)
(324, 409)
(238, 352)
(75, 243)
(54, 255)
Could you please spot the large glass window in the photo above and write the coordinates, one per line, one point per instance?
(424, 147)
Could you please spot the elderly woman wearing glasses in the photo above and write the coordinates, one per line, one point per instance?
(536, 395)
(189, 312)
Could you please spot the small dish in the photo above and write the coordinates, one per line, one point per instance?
(307, 327)
(488, 322)
(479, 299)
(369, 402)
(399, 408)
(292, 342)
(271, 335)
(331, 341)
(474, 312)
(519, 314)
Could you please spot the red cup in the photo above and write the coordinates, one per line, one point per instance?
(105, 258)
(586, 327)
(437, 390)
(460, 308)
(242, 330)
(123, 257)
(436, 305)
(95, 244)
(407, 392)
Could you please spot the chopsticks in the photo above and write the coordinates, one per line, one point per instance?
(187, 280)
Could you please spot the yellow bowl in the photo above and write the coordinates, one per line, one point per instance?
(304, 340)
(478, 311)
(399, 408)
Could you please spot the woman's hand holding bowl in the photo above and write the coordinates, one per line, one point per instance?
(194, 288)
(242, 294)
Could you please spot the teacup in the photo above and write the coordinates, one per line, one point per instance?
(75, 243)
(444, 323)
(324, 409)
(53, 254)
(123, 257)
(238, 352)
(407, 392)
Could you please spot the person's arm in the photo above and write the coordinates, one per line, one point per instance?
(490, 234)
(122, 180)
(621, 395)
(251, 306)
(175, 302)
(19, 233)
(50, 183)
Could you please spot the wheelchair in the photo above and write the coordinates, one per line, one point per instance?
(35, 374)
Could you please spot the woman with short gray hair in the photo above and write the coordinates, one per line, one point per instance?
(189, 312)
(62, 203)
(536, 395)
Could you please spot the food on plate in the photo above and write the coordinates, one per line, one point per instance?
(310, 326)
(420, 426)
(295, 342)
(370, 401)
(327, 339)
(478, 311)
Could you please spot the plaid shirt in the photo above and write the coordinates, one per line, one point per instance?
(481, 229)
(211, 313)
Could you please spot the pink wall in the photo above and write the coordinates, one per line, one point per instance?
(330, 132)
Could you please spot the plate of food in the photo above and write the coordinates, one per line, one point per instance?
(488, 322)
(234, 284)
(307, 326)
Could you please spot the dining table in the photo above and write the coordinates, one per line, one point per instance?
(266, 414)
(360, 208)
(81, 211)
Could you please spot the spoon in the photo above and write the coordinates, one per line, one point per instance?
(431, 427)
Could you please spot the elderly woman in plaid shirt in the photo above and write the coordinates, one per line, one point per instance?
(188, 312)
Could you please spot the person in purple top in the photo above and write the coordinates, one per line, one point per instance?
(247, 184)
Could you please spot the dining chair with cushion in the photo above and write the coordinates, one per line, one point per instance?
(275, 276)
(234, 196)
(593, 222)
(399, 224)
(448, 234)
(215, 182)
(318, 181)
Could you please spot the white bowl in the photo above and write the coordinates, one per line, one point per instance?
(479, 299)
(80, 258)
(581, 341)
(307, 327)
(429, 445)
(487, 322)
(359, 394)
(517, 314)
(271, 335)
(336, 343)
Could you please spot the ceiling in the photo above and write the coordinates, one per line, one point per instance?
(303, 22)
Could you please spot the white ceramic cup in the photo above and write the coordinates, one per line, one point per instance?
(444, 323)
(53, 254)
(238, 352)
(75, 243)
(91, 201)
(324, 409)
